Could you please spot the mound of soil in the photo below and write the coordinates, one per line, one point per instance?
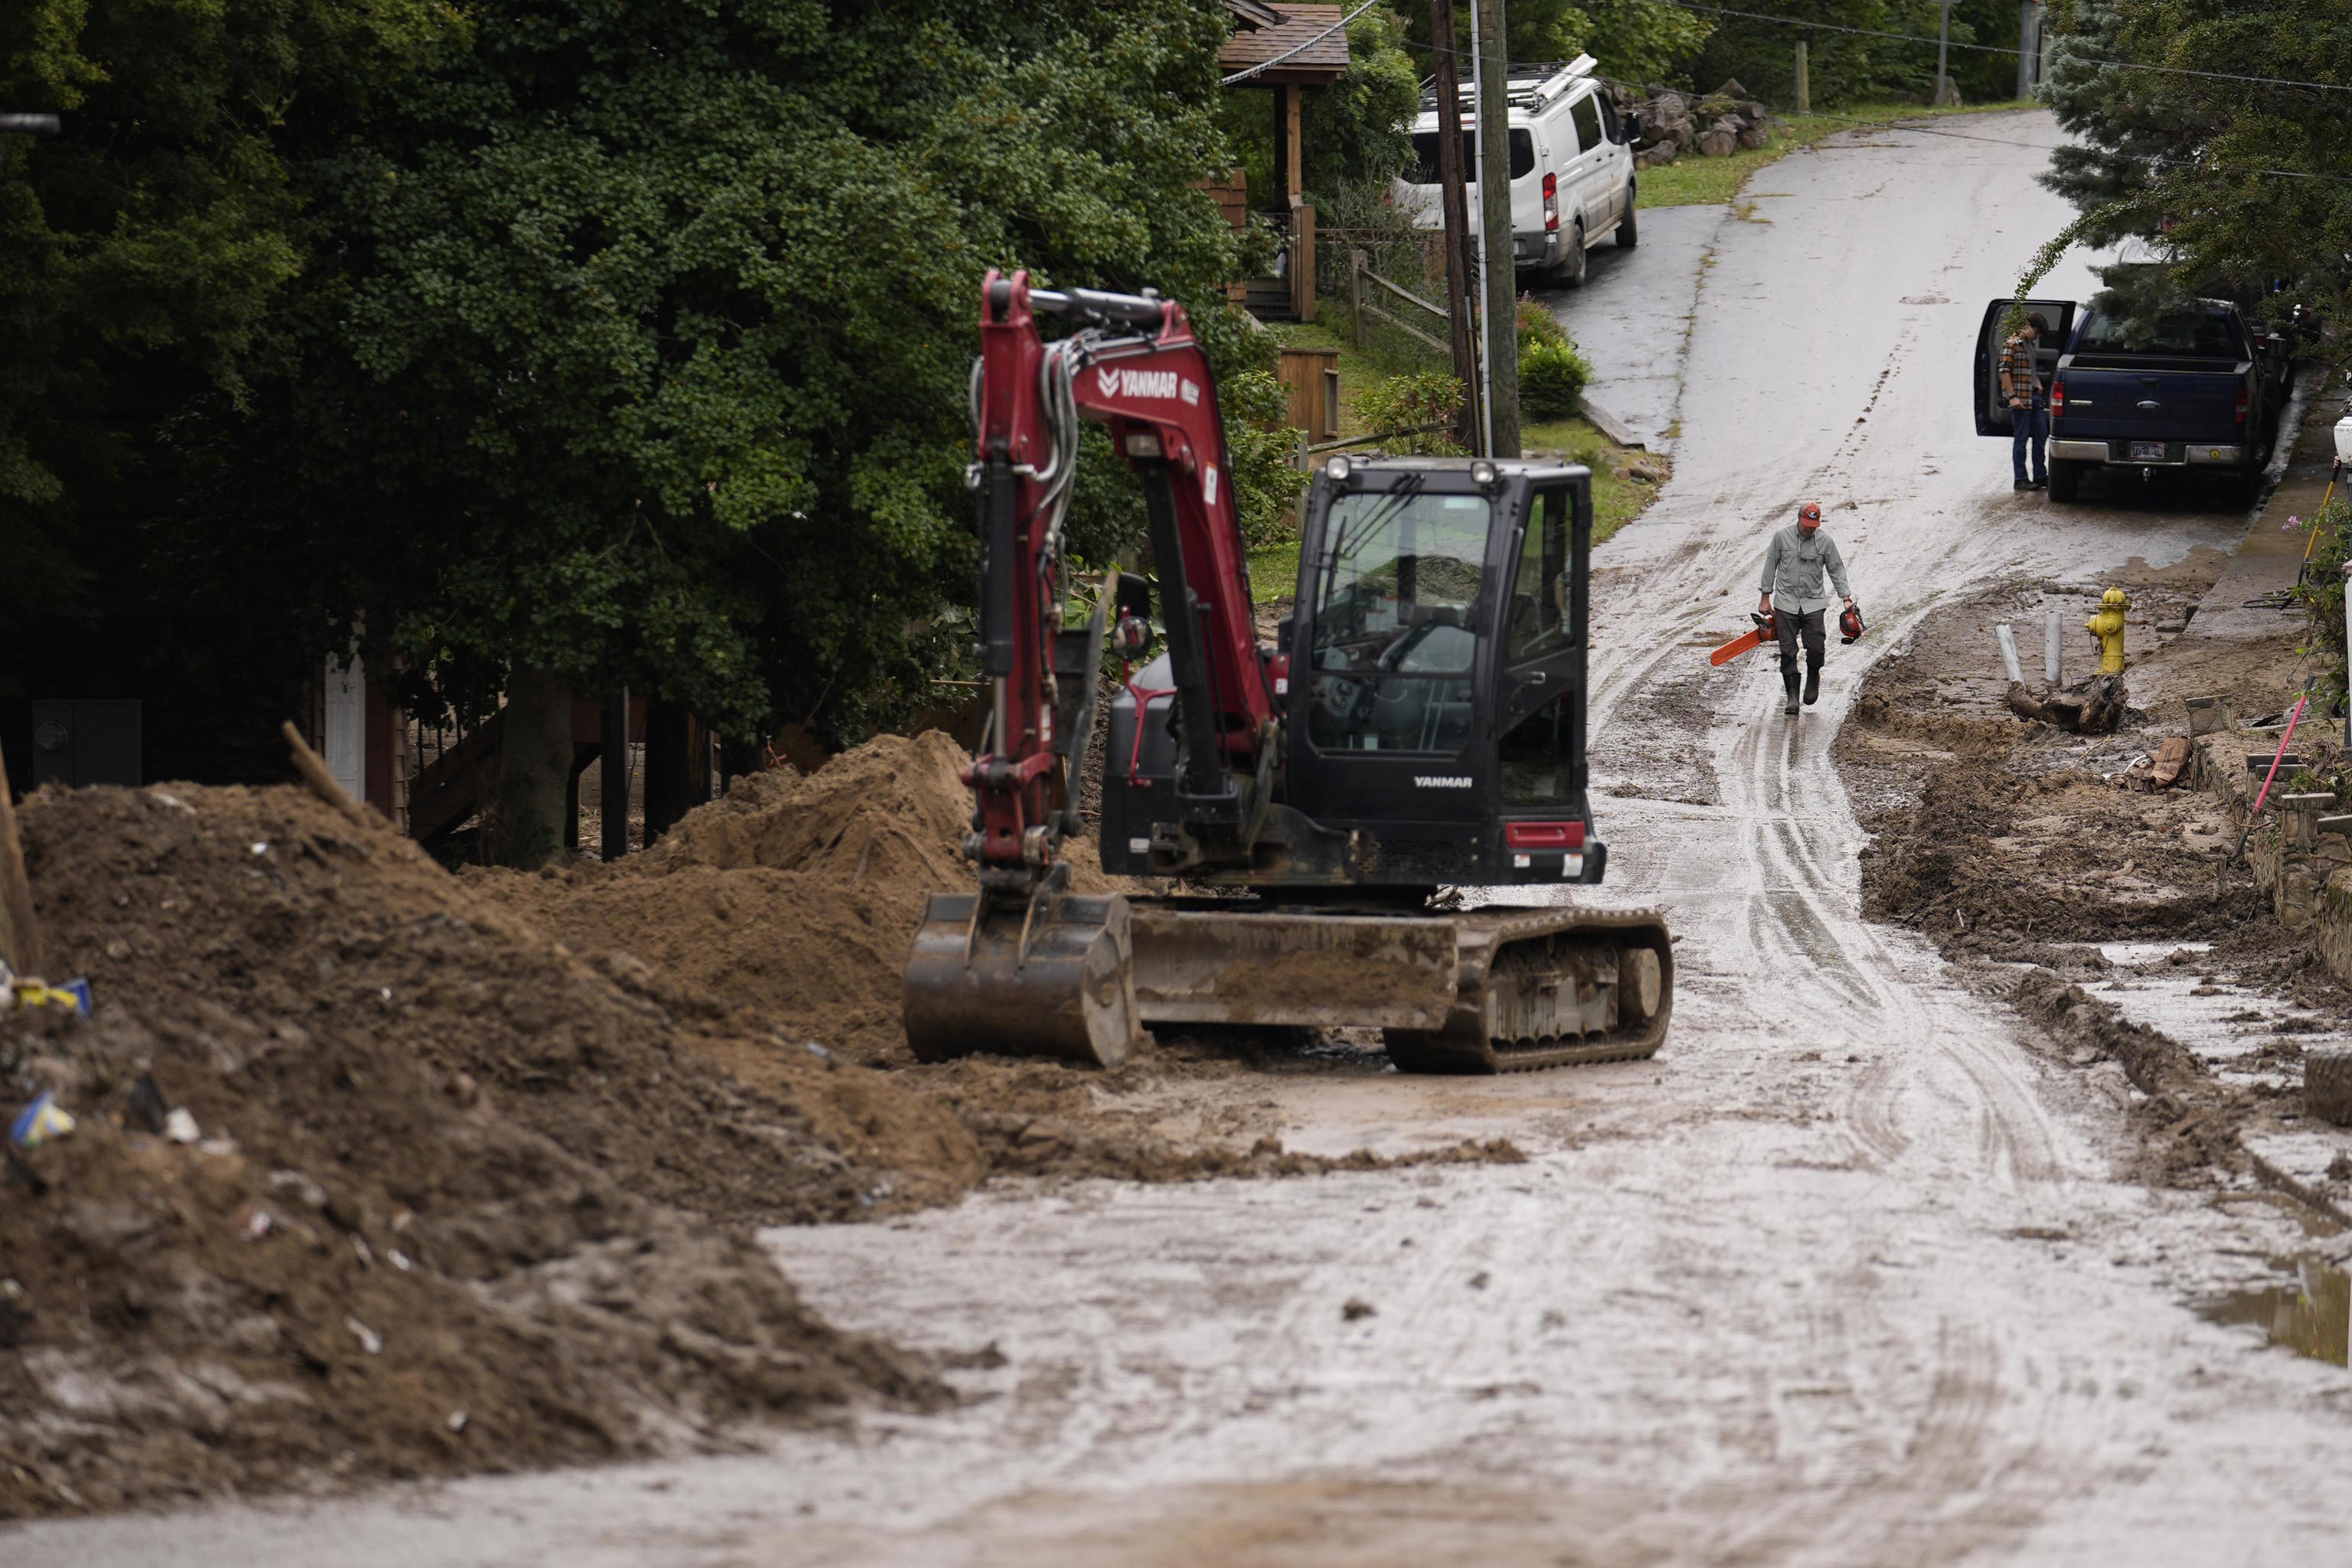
(1986, 858)
(797, 893)
(461, 1200)
(2001, 836)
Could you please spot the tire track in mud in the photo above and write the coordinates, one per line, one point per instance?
(1946, 1094)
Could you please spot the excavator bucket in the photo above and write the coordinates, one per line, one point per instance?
(1050, 976)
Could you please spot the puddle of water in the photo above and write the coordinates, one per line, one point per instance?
(2310, 1314)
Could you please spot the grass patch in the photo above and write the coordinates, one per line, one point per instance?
(1617, 500)
(1694, 180)
(1274, 572)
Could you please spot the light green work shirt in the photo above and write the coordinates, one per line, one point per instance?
(1793, 566)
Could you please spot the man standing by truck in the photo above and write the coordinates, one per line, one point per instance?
(2021, 388)
(1794, 563)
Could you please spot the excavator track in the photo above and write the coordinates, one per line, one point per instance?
(1478, 991)
(1549, 989)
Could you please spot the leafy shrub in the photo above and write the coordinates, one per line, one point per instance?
(1539, 325)
(1259, 445)
(1552, 379)
(2321, 593)
(1416, 410)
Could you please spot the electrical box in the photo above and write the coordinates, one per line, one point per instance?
(87, 743)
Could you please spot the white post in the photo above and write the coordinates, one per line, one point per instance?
(1486, 327)
(2054, 659)
(2008, 654)
(344, 741)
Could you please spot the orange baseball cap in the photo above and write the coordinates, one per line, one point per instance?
(1809, 513)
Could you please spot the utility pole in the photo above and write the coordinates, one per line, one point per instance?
(2028, 45)
(1468, 424)
(1804, 80)
(1944, 94)
(1498, 323)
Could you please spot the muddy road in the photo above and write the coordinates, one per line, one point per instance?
(1849, 1274)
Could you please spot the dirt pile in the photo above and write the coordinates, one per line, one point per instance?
(1988, 860)
(797, 893)
(460, 1199)
(795, 898)
(1026, 1144)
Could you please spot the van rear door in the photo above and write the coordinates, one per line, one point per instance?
(1992, 409)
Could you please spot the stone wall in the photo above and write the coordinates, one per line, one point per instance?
(2308, 875)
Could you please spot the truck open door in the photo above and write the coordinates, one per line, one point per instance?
(1992, 409)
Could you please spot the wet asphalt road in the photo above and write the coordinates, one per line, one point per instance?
(1845, 1276)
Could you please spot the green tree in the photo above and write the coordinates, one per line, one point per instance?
(149, 253)
(1639, 42)
(2233, 184)
(1851, 67)
(661, 317)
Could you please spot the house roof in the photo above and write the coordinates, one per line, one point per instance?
(1322, 60)
(1254, 14)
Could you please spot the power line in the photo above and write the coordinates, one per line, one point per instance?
(1907, 126)
(1300, 49)
(1999, 49)
(1910, 128)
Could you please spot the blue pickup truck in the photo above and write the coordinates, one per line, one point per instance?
(2193, 390)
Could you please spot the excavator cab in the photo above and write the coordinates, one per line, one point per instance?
(1418, 726)
(1431, 679)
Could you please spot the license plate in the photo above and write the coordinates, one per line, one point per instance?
(2148, 451)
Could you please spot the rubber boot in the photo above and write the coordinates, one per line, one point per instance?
(1788, 679)
(1813, 684)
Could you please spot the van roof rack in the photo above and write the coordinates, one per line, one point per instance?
(1529, 87)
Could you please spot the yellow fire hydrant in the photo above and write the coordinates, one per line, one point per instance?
(2108, 628)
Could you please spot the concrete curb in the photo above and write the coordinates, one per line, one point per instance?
(1608, 425)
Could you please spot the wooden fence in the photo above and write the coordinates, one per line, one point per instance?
(1375, 296)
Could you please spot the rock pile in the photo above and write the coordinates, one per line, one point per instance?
(1715, 126)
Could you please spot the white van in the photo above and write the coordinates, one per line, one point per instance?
(1572, 181)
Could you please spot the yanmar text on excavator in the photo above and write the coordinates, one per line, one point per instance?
(1420, 727)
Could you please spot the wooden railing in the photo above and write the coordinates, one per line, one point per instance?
(1364, 280)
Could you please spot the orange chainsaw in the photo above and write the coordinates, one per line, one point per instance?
(1768, 629)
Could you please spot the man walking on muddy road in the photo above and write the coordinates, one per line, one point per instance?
(1794, 564)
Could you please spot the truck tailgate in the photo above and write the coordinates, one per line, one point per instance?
(2151, 403)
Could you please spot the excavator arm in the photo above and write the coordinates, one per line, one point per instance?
(1025, 964)
(1134, 366)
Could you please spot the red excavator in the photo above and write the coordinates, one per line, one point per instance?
(1419, 727)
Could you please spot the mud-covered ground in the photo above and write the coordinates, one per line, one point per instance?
(477, 1157)
(2014, 845)
(1867, 1266)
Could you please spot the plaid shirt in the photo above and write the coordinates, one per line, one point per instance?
(2017, 370)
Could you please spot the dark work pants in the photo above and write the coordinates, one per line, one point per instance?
(2028, 428)
(1816, 635)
